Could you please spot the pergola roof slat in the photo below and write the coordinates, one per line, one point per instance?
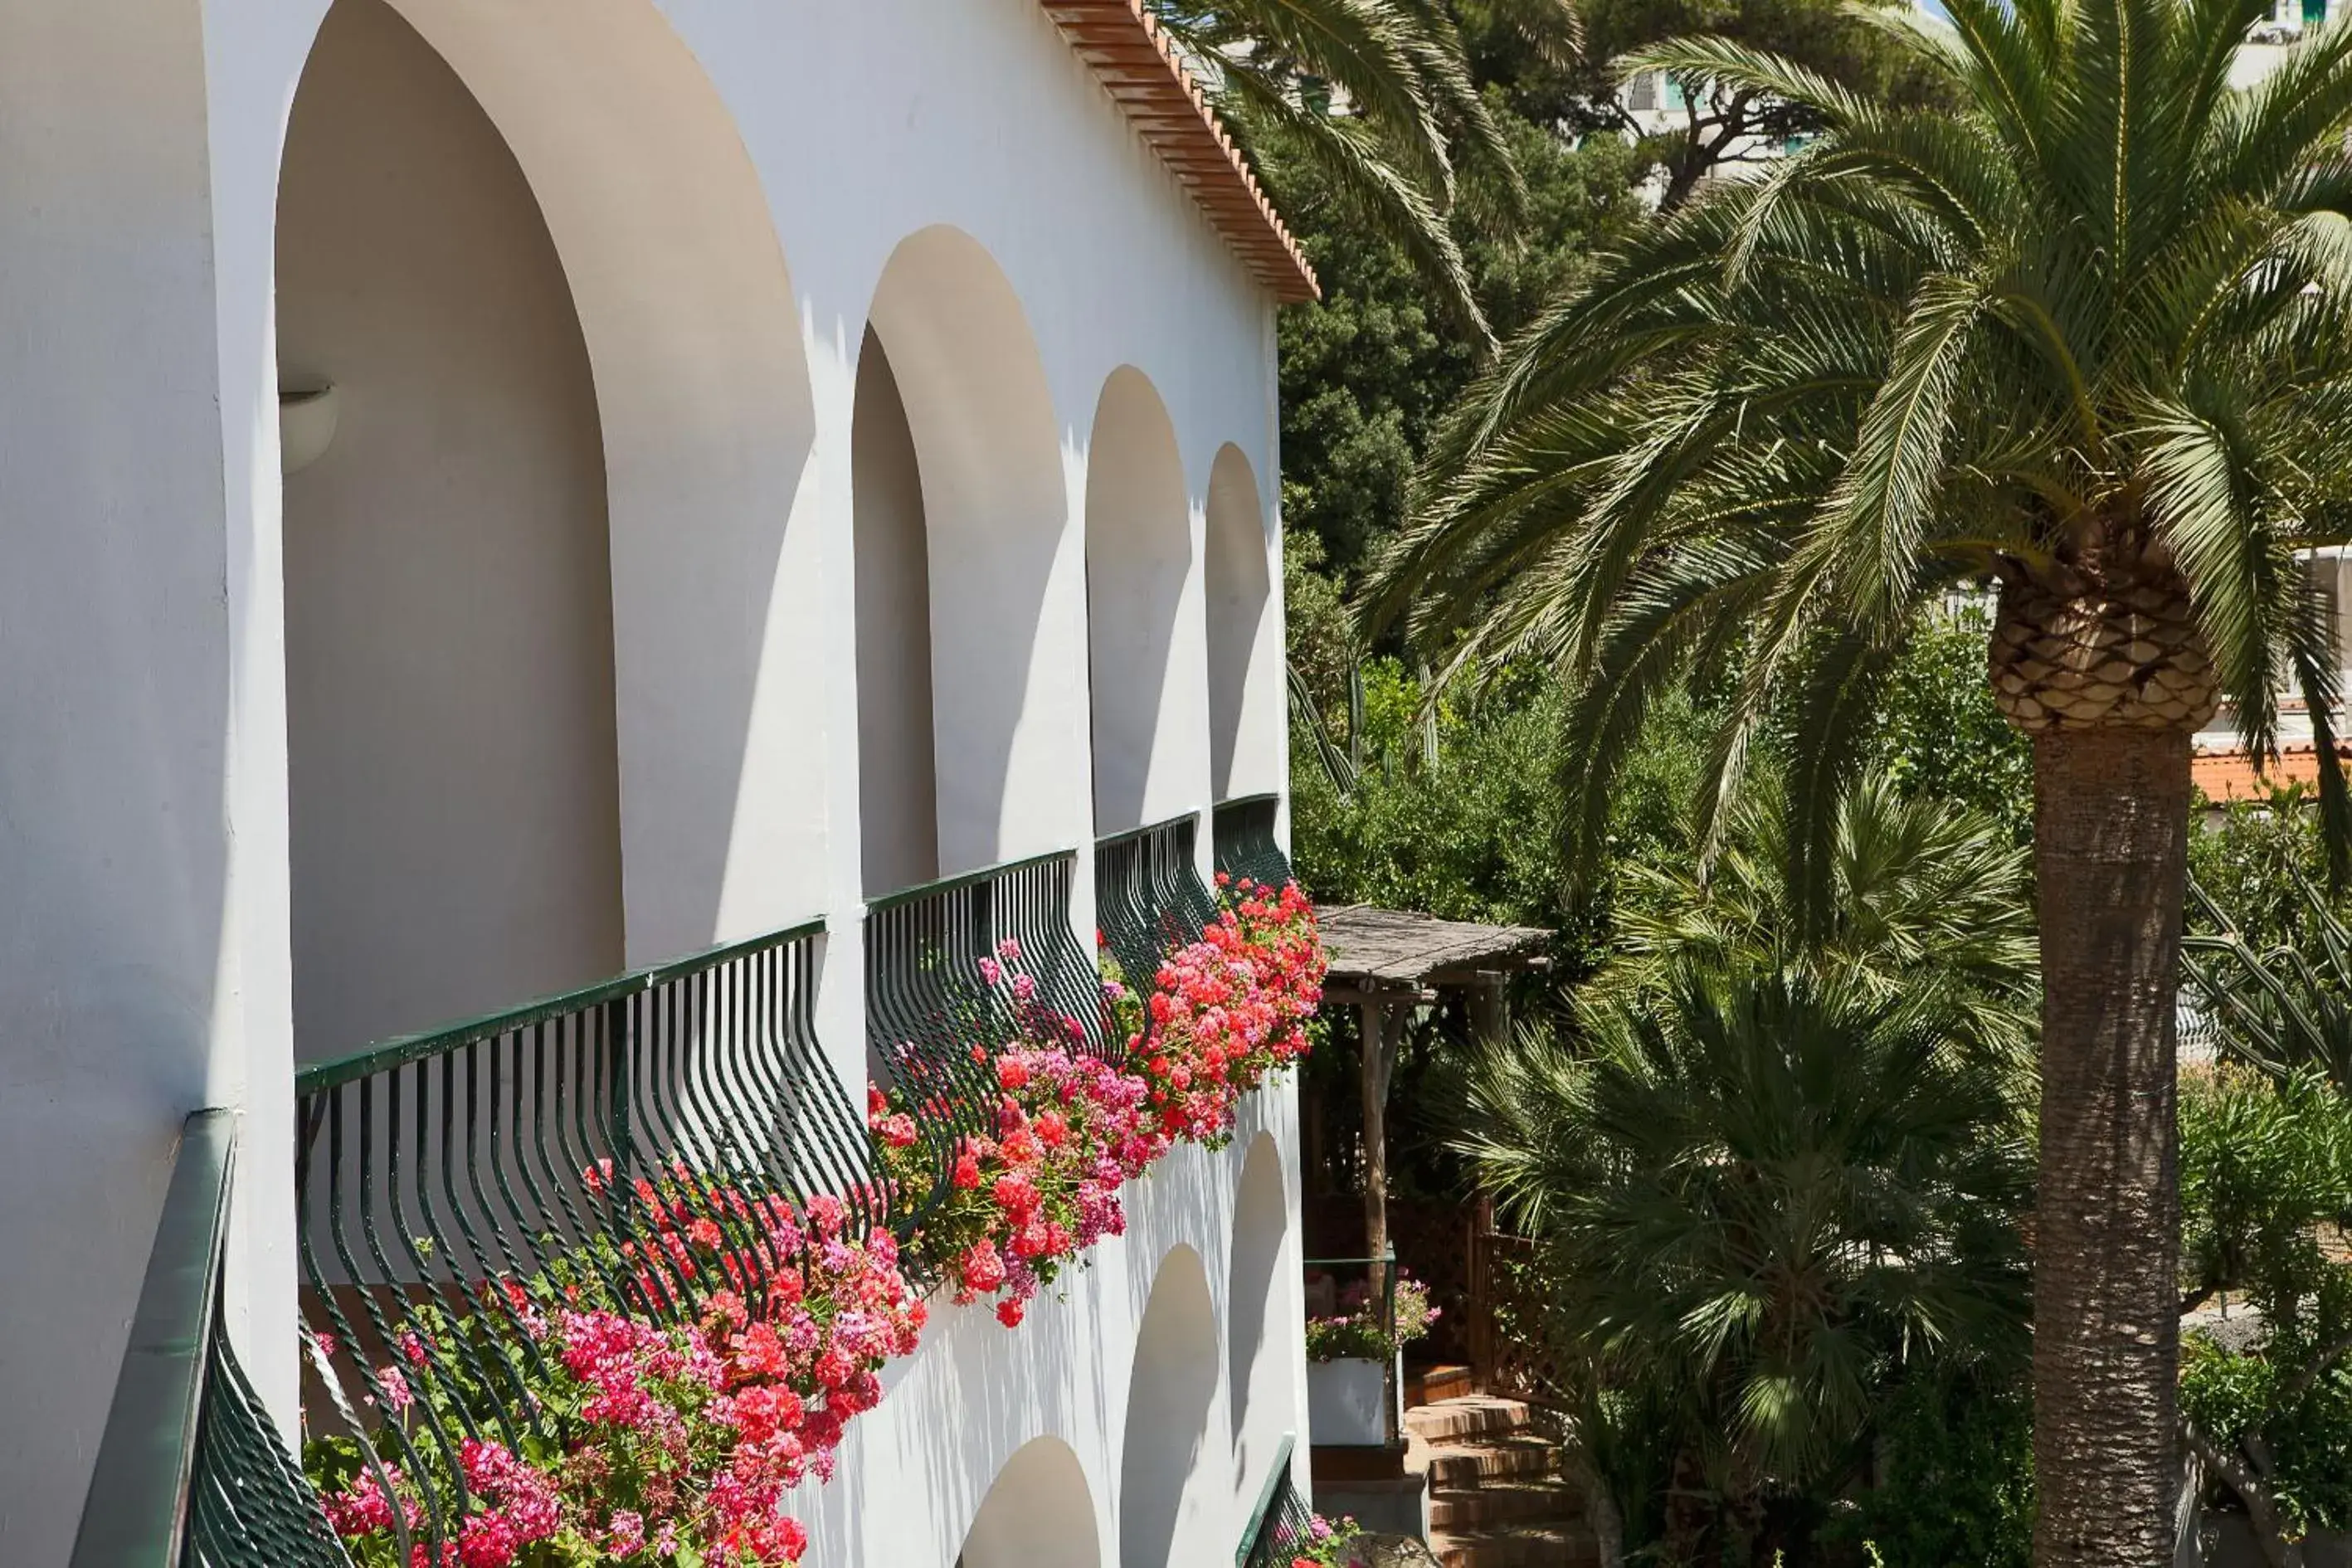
(1371, 947)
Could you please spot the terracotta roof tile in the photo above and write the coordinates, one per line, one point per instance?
(2227, 773)
(1134, 61)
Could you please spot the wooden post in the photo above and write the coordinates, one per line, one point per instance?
(1490, 1013)
(1383, 1019)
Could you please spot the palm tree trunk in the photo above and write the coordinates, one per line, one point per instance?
(2111, 814)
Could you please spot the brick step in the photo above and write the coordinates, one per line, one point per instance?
(1431, 1385)
(1477, 1416)
(1495, 1459)
(1527, 1546)
(1499, 1503)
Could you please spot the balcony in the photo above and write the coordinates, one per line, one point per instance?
(437, 1171)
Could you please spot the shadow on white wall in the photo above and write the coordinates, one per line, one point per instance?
(1038, 1514)
(1165, 1518)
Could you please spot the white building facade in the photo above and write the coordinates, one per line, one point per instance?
(503, 493)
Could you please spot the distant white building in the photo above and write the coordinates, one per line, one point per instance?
(505, 493)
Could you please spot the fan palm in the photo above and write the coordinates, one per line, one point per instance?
(1399, 71)
(1929, 909)
(2084, 330)
(1756, 1197)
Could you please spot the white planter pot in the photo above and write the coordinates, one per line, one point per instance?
(1348, 1403)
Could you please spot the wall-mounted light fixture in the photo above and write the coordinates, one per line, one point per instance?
(306, 424)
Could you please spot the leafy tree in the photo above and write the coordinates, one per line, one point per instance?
(1368, 372)
(2082, 327)
(1938, 731)
(1952, 1486)
(1757, 1198)
(2267, 1406)
(1376, 98)
(2258, 860)
(1722, 121)
(1450, 832)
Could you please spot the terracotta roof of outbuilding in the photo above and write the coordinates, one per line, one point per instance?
(2227, 773)
(1139, 68)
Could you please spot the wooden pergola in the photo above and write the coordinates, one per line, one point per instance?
(1386, 962)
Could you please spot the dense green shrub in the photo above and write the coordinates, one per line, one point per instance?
(2258, 860)
(2266, 1178)
(1939, 733)
(1954, 1482)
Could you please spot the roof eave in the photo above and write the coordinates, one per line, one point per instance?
(1133, 59)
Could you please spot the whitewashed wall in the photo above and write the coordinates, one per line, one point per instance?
(949, 1457)
(735, 190)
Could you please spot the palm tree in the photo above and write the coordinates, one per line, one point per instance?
(1756, 1197)
(2084, 330)
(1930, 909)
(1377, 95)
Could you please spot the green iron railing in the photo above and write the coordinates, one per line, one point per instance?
(190, 1470)
(1247, 844)
(1149, 896)
(1282, 1524)
(431, 1165)
(926, 1006)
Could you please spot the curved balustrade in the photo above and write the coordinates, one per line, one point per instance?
(508, 1148)
(190, 1470)
(1247, 844)
(1282, 1525)
(927, 1005)
(1149, 896)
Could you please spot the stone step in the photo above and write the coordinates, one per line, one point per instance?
(1501, 1502)
(1495, 1459)
(1526, 1546)
(1476, 1415)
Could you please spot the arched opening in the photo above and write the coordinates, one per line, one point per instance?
(1259, 1374)
(1167, 1517)
(1006, 609)
(1147, 717)
(1038, 1514)
(1245, 639)
(897, 778)
(565, 172)
(455, 793)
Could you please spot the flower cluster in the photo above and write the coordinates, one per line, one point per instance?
(1324, 1544)
(1008, 1207)
(669, 1441)
(1357, 1331)
(1228, 1010)
(662, 1391)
